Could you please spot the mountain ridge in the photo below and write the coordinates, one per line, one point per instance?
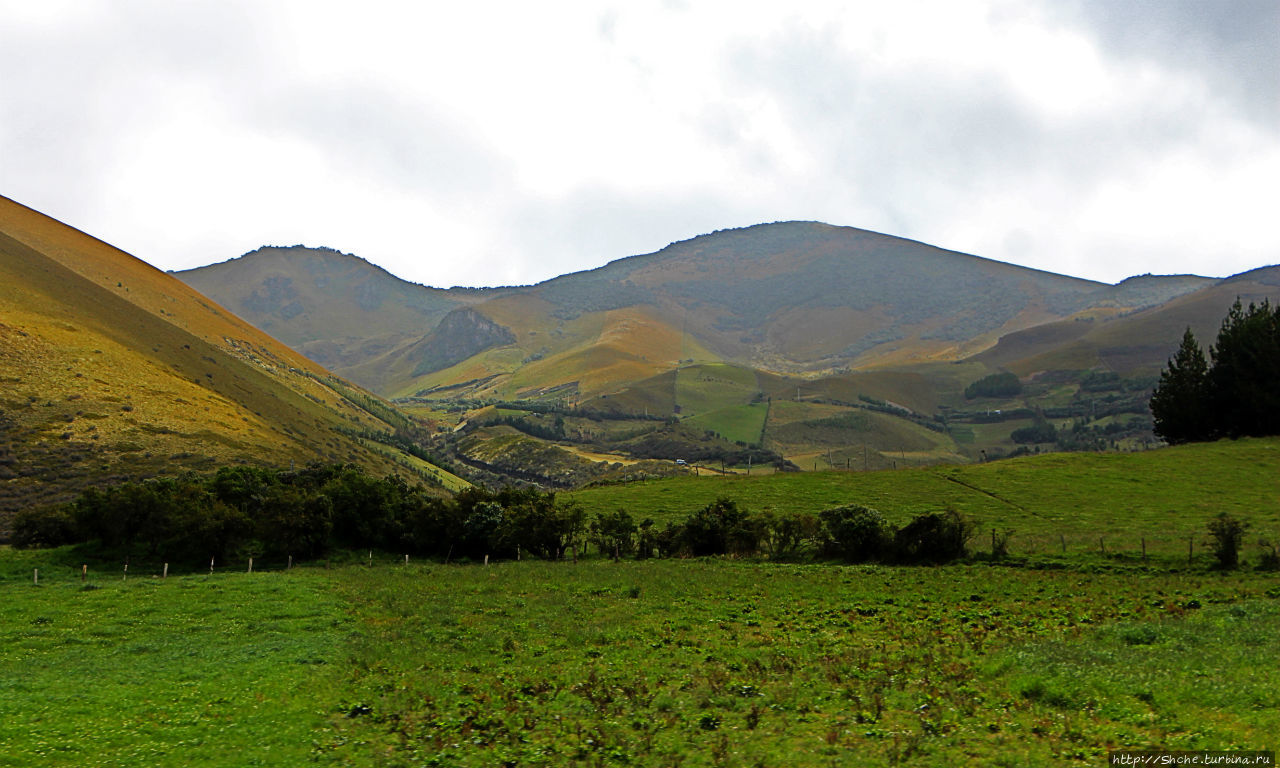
(792, 297)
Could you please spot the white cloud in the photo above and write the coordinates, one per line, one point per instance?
(475, 143)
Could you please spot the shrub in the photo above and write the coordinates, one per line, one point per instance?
(854, 533)
(48, 527)
(614, 534)
(1040, 432)
(1228, 534)
(785, 535)
(936, 537)
(1003, 384)
(720, 528)
(1270, 559)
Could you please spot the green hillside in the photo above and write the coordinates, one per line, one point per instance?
(1164, 496)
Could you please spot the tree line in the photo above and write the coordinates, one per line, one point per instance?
(258, 512)
(1233, 393)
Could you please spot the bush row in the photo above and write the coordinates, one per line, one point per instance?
(251, 511)
(851, 533)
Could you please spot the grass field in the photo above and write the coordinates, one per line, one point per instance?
(713, 386)
(1048, 658)
(712, 662)
(740, 423)
(1094, 502)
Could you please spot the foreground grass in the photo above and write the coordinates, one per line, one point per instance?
(634, 663)
(721, 663)
(195, 670)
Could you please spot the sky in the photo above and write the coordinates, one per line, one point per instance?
(504, 143)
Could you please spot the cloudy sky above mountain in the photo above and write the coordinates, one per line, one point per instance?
(507, 142)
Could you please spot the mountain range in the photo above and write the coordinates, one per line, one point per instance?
(793, 298)
(821, 346)
(786, 345)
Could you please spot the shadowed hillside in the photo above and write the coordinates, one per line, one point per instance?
(1136, 343)
(335, 308)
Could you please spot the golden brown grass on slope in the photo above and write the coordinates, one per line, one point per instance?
(133, 374)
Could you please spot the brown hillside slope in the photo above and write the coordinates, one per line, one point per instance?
(110, 368)
(1137, 343)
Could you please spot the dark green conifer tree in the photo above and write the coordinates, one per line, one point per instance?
(1244, 382)
(1180, 403)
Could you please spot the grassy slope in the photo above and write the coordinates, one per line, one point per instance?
(115, 369)
(1137, 343)
(596, 352)
(835, 437)
(1164, 495)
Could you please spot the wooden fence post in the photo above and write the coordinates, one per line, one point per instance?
(165, 574)
(35, 577)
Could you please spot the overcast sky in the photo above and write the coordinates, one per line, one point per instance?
(494, 143)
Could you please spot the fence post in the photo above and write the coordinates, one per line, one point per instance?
(35, 577)
(165, 575)
(251, 565)
(84, 572)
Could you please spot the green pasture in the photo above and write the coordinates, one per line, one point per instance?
(637, 663)
(195, 670)
(1107, 503)
(740, 423)
(712, 387)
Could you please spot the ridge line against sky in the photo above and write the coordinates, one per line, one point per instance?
(507, 143)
